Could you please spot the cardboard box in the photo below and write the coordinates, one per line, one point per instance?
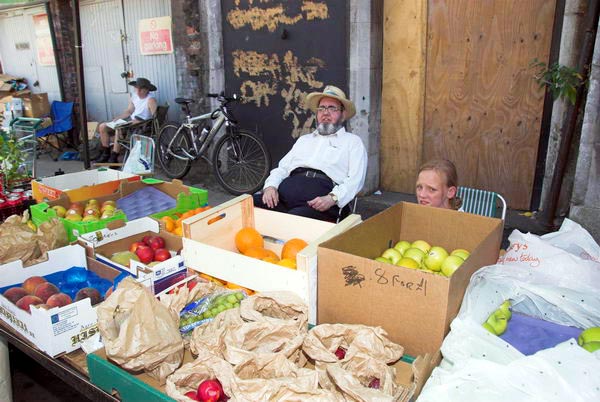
(35, 104)
(80, 186)
(411, 373)
(119, 236)
(61, 329)
(209, 247)
(415, 307)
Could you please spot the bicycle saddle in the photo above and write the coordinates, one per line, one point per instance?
(184, 101)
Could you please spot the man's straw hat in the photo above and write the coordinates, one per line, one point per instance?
(313, 99)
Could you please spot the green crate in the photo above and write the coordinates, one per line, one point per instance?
(111, 379)
(42, 212)
(197, 198)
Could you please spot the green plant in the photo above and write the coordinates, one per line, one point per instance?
(12, 158)
(562, 81)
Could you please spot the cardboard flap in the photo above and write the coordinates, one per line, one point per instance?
(115, 224)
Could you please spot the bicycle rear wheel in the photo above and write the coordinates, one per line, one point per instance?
(174, 168)
(241, 162)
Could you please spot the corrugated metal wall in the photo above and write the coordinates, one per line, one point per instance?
(160, 69)
(16, 27)
(102, 24)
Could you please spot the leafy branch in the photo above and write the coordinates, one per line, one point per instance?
(562, 81)
(12, 158)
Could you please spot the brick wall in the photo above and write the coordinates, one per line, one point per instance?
(191, 59)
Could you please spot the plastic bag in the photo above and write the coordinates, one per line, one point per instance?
(137, 162)
(546, 278)
(206, 308)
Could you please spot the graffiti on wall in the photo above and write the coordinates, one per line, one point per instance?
(265, 76)
(271, 17)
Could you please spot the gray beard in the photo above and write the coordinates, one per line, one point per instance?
(328, 128)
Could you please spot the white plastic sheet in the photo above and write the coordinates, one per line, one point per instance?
(554, 277)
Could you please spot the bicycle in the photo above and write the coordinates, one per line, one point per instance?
(240, 159)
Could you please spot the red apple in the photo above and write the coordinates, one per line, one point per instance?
(31, 283)
(161, 254)
(210, 391)
(156, 242)
(192, 284)
(375, 383)
(340, 353)
(192, 395)
(77, 207)
(135, 245)
(145, 254)
(146, 239)
(25, 302)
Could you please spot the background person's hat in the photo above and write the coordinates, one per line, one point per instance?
(312, 100)
(143, 83)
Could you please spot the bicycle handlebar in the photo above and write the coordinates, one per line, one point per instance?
(225, 99)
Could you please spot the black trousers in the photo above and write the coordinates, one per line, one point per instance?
(294, 193)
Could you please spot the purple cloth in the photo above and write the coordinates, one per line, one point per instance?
(529, 335)
(144, 202)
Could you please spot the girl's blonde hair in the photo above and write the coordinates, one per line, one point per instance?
(447, 169)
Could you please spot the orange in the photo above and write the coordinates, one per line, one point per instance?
(248, 238)
(256, 252)
(288, 263)
(178, 231)
(272, 260)
(271, 253)
(291, 248)
(169, 223)
(233, 286)
(212, 279)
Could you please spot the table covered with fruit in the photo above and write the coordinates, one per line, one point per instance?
(139, 290)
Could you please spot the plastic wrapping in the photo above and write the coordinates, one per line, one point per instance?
(554, 278)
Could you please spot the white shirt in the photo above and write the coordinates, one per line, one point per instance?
(142, 111)
(341, 156)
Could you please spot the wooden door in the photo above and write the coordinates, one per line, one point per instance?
(276, 52)
(483, 107)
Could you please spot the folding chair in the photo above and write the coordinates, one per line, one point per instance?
(62, 122)
(350, 208)
(481, 202)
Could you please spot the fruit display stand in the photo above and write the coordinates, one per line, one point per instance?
(119, 236)
(44, 211)
(415, 307)
(209, 247)
(80, 186)
(60, 329)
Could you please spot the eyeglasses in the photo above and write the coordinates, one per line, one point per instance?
(330, 109)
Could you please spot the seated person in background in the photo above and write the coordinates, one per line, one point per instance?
(325, 169)
(141, 107)
(437, 184)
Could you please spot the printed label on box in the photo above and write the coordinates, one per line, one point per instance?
(10, 317)
(62, 322)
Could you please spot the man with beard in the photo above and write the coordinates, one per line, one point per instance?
(325, 169)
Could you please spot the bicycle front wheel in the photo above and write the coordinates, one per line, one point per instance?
(241, 162)
(173, 161)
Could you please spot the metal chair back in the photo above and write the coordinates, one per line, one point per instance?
(352, 205)
(481, 202)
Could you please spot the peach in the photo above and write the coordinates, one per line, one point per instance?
(92, 293)
(58, 300)
(45, 290)
(25, 302)
(14, 294)
(31, 283)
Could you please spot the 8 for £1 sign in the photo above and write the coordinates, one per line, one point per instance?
(155, 36)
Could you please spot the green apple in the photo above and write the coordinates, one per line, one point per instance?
(435, 257)
(60, 211)
(591, 334)
(407, 262)
(451, 264)
(381, 259)
(421, 245)
(591, 346)
(498, 321)
(90, 218)
(461, 252)
(402, 246)
(75, 217)
(416, 254)
(392, 254)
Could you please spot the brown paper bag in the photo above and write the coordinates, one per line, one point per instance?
(263, 337)
(206, 366)
(18, 241)
(184, 296)
(322, 341)
(353, 388)
(210, 336)
(275, 307)
(272, 377)
(139, 333)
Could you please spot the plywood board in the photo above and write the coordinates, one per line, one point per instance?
(483, 106)
(404, 48)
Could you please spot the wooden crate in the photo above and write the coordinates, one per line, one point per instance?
(209, 247)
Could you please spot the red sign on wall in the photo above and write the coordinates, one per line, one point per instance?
(155, 36)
